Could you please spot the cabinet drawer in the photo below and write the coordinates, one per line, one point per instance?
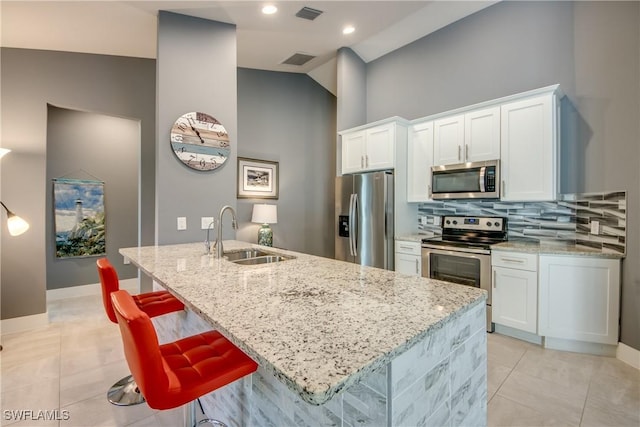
(407, 247)
(517, 260)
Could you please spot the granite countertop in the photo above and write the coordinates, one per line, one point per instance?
(553, 249)
(318, 324)
(411, 237)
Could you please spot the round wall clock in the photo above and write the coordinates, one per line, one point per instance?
(200, 141)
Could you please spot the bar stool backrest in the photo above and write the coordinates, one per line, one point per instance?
(141, 347)
(110, 283)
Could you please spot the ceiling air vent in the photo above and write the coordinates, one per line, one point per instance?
(298, 59)
(308, 13)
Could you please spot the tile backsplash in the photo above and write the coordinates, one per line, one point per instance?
(569, 220)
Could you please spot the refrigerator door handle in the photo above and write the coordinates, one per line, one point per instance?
(353, 229)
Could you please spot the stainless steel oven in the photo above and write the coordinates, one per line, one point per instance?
(463, 254)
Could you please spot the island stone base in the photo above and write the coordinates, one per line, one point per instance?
(440, 381)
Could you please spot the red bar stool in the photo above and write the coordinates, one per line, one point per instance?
(125, 392)
(177, 373)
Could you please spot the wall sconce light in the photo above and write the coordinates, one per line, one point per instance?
(15, 224)
(265, 215)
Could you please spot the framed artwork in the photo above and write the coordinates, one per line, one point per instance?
(257, 179)
(79, 218)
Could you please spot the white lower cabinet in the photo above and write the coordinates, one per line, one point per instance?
(579, 298)
(407, 257)
(515, 290)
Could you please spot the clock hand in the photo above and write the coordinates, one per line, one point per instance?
(195, 130)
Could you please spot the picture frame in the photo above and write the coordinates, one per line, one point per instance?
(257, 179)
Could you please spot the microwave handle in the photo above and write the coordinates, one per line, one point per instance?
(483, 170)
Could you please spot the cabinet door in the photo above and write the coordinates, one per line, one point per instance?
(528, 149)
(353, 148)
(515, 298)
(448, 140)
(380, 147)
(419, 162)
(482, 135)
(579, 298)
(408, 264)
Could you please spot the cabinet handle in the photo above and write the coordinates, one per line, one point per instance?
(429, 191)
(502, 189)
(519, 261)
(366, 160)
(494, 279)
(408, 248)
(417, 270)
(466, 151)
(362, 161)
(459, 152)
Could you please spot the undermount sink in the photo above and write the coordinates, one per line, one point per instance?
(253, 257)
(244, 254)
(261, 260)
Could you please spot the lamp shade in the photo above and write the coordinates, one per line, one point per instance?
(265, 214)
(15, 224)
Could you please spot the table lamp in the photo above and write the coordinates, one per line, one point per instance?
(265, 215)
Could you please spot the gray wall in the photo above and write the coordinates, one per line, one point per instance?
(352, 90)
(289, 118)
(196, 71)
(84, 145)
(591, 48)
(30, 80)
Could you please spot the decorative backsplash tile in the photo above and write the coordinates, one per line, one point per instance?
(569, 220)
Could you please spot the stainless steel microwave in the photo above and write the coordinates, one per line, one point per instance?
(476, 180)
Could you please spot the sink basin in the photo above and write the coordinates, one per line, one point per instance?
(244, 254)
(261, 260)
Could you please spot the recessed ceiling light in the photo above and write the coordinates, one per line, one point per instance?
(269, 9)
(348, 29)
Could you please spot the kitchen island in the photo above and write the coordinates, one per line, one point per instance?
(337, 343)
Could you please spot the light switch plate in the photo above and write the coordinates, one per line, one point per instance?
(182, 223)
(595, 227)
(205, 222)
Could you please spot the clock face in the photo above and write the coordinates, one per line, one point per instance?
(200, 141)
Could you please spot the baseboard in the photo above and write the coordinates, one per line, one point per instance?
(24, 323)
(628, 355)
(518, 334)
(131, 285)
(596, 349)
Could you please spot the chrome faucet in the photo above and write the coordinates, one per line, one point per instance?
(234, 224)
(207, 242)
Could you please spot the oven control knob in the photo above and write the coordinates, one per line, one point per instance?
(497, 224)
(448, 222)
(489, 223)
(455, 222)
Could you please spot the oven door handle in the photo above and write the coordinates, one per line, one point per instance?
(466, 251)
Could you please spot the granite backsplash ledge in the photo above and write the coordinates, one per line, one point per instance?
(566, 221)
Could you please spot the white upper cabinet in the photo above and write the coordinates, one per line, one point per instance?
(468, 137)
(419, 162)
(529, 130)
(482, 134)
(369, 149)
(448, 140)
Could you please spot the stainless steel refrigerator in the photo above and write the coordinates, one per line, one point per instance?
(364, 219)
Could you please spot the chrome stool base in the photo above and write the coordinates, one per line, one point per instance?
(125, 393)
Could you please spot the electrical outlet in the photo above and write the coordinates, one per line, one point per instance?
(595, 227)
(205, 222)
(182, 223)
(423, 220)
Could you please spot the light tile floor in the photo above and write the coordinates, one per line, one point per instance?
(69, 365)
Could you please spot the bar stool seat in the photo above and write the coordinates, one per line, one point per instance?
(125, 392)
(177, 373)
